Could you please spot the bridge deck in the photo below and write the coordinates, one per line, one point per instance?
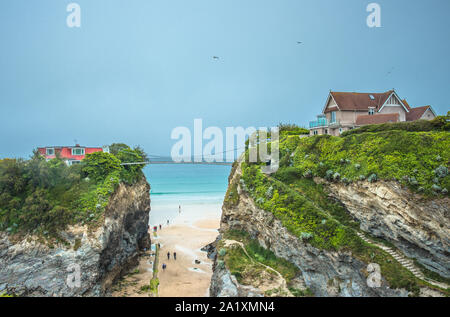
(172, 162)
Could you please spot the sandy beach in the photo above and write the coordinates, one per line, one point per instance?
(187, 276)
(184, 276)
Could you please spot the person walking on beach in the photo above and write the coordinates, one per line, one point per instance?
(175, 256)
(167, 221)
(168, 255)
(179, 209)
(160, 227)
(164, 266)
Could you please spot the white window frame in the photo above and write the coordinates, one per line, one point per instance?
(78, 148)
(49, 148)
(371, 111)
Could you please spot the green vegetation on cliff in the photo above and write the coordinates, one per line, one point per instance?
(249, 267)
(43, 197)
(418, 160)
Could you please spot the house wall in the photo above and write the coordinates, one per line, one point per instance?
(428, 115)
(346, 117)
(395, 109)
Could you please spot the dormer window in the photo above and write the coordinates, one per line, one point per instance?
(77, 151)
(371, 111)
(50, 151)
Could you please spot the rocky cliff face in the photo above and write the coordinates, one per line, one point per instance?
(419, 227)
(30, 268)
(324, 273)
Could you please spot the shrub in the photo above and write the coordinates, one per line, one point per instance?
(220, 264)
(130, 173)
(329, 175)
(308, 174)
(98, 165)
(288, 174)
(222, 252)
(372, 178)
(413, 181)
(441, 171)
(436, 188)
(439, 123)
(336, 176)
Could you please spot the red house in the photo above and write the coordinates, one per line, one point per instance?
(71, 154)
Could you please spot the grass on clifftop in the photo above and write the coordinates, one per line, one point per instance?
(43, 197)
(418, 160)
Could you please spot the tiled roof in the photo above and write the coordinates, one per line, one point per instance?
(406, 104)
(377, 118)
(360, 101)
(416, 113)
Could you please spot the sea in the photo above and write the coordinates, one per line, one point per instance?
(198, 189)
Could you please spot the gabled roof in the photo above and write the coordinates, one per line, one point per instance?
(417, 113)
(357, 100)
(377, 118)
(406, 104)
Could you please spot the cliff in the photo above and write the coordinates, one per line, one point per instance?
(419, 227)
(31, 267)
(327, 271)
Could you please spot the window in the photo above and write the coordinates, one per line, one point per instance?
(315, 132)
(340, 130)
(77, 151)
(326, 131)
(371, 111)
(50, 151)
(333, 117)
(371, 97)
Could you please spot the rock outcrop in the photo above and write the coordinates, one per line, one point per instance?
(324, 273)
(31, 268)
(419, 227)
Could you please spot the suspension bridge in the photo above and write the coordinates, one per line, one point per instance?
(174, 162)
(159, 159)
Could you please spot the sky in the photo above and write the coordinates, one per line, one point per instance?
(137, 69)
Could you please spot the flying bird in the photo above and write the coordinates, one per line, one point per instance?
(215, 57)
(299, 42)
(390, 72)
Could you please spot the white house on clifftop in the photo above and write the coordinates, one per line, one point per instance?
(348, 110)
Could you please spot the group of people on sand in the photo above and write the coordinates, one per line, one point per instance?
(164, 266)
(155, 228)
(174, 254)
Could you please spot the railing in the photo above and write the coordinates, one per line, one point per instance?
(322, 122)
(319, 123)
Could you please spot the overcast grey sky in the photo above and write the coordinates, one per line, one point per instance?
(137, 69)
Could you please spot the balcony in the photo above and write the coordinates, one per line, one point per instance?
(323, 123)
(319, 123)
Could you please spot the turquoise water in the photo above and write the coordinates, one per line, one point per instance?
(199, 189)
